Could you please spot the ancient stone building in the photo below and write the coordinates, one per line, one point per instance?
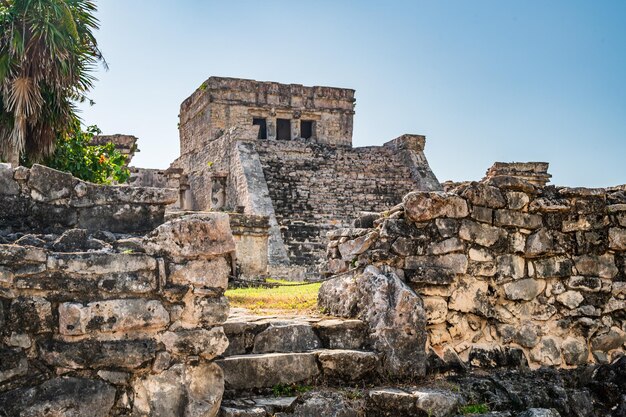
(285, 152)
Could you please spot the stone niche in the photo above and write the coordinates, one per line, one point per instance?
(106, 320)
(511, 271)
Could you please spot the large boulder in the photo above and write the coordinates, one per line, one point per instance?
(394, 314)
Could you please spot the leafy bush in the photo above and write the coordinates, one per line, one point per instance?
(101, 164)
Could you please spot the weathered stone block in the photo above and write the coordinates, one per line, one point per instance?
(510, 267)
(287, 338)
(452, 262)
(8, 186)
(544, 242)
(481, 233)
(30, 315)
(203, 236)
(202, 273)
(14, 363)
(480, 194)
(597, 266)
(570, 299)
(525, 289)
(351, 248)
(195, 342)
(112, 316)
(203, 311)
(124, 354)
(436, 309)
(613, 339)
(423, 206)
(617, 238)
(547, 352)
(48, 184)
(575, 351)
(452, 244)
(259, 371)
(348, 365)
(341, 334)
(516, 200)
(62, 396)
(186, 390)
(470, 296)
(100, 263)
(518, 219)
(555, 267)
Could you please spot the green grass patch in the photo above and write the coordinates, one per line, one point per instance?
(290, 296)
(284, 390)
(474, 409)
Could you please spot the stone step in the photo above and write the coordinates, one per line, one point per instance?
(255, 406)
(266, 370)
(283, 335)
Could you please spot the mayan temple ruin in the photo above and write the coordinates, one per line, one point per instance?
(502, 297)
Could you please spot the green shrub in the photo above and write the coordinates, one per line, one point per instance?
(100, 164)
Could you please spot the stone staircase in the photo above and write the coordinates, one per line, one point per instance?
(272, 359)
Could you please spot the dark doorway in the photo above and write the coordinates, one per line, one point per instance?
(262, 123)
(306, 129)
(283, 129)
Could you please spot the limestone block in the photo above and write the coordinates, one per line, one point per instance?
(590, 284)
(31, 315)
(341, 334)
(453, 262)
(506, 182)
(614, 305)
(286, 338)
(516, 200)
(452, 244)
(527, 335)
(617, 238)
(547, 352)
(437, 403)
(570, 299)
(191, 390)
(540, 412)
(388, 307)
(436, 309)
(584, 223)
(357, 246)
(13, 255)
(8, 186)
(597, 266)
(348, 365)
(447, 227)
(48, 184)
(203, 311)
(482, 214)
(14, 362)
(518, 219)
(575, 351)
(613, 339)
(89, 263)
(544, 242)
(553, 267)
(259, 371)
(111, 316)
(61, 396)
(120, 354)
(480, 233)
(480, 255)
(201, 273)
(510, 267)
(525, 289)
(422, 206)
(380, 400)
(203, 236)
(480, 194)
(549, 205)
(470, 296)
(195, 342)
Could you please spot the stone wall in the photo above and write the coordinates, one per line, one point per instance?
(103, 325)
(251, 239)
(126, 144)
(221, 103)
(45, 200)
(315, 188)
(510, 271)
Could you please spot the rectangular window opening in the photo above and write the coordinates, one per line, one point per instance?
(262, 123)
(283, 129)
(306, 129)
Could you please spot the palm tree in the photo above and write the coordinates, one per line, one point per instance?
(47, 51)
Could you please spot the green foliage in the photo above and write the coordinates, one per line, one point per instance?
(47, 53)
(474, 409)
(100, 164)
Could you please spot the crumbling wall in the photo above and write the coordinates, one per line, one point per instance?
(96, 323)
(315, 188)
(44, 199)
(510, 271)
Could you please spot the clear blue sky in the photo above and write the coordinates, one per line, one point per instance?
(485, 81)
